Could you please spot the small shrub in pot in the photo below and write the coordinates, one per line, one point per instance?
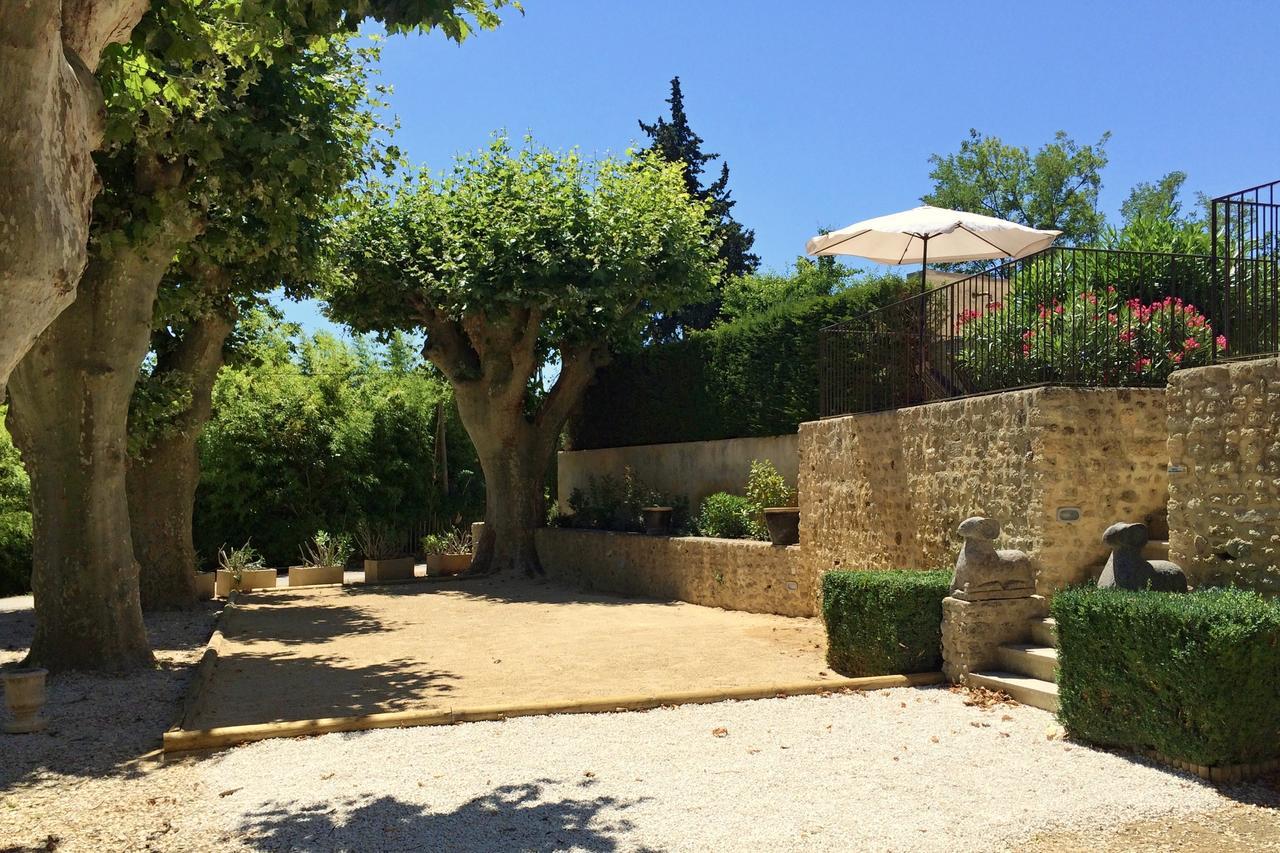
(323, 560)
(448, 553)
(778, 513)
(241, 569)
(384, 557)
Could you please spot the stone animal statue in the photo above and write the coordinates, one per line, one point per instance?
(982, 572)
(1127, 569)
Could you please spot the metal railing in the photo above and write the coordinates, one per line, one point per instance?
(1069, 316)
(1246, 255)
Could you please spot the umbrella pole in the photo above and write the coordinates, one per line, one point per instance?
(924, 267)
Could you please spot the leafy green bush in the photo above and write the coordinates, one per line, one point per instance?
(612, 504)
(1194, 676)
(15, 553)
(726, 516)
(755, 376)
(766, 487)
(884, 623)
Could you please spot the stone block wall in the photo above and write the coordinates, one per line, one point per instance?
(887, 490)
(735, 574)
(1224, 480)
(691, 468)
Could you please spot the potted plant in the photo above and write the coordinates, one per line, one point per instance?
(657, 520)
(324, 559)
(242, 569)
(447, 553)
(767, 489)
(384, 559)
(24, 695)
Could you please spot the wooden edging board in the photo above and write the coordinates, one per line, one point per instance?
(182, 740)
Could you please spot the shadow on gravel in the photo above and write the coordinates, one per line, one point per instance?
(511, 817)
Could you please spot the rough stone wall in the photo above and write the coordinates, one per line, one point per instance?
(735, 574)
(692, 468)
(1224, 509)
(887, 490)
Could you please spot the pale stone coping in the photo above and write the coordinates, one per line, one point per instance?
(708, 540)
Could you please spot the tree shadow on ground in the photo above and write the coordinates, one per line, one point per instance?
(279, 687)
(510, 817)
(290, 619)
(519, 590)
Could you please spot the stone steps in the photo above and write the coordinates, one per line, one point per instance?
(1029, 691)
(1045, 631)
(1030, 660)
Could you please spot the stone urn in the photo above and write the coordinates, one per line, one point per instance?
(783, 523)
(24, 695)
(657, 520)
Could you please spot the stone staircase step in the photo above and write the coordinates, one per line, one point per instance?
(1156, 549)
(1028, 691)
(1031, 660)
(1045, 632)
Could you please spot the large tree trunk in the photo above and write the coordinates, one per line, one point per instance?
(514, 460)
(163, 476)
(69, 416)
(50, 124)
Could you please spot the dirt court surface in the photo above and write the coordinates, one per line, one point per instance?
(338, 652)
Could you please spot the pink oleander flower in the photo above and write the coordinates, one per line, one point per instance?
(1175, 357)
(1128, 335)
(1112, 319)
(1221, 341)
(1190, 344)
(1141, 365)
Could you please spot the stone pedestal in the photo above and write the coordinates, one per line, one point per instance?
(973, 630)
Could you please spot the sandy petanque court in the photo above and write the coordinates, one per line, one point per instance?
(465, 650)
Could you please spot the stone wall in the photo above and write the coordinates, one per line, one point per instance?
(887, 490)
(692, 468)
(735, 574)
(1224, 480)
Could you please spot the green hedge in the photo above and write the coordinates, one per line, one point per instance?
(1193, 676)
(756, 376)
(15, 553)
(884, 623)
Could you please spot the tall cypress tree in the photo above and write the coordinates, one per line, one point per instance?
(675, 141)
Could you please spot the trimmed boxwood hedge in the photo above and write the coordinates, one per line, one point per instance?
(754, 377)
(1193, 676)
(884, 623)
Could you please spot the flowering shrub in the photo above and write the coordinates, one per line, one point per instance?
(1093, 336)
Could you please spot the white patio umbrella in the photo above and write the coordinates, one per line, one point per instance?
(927, 233)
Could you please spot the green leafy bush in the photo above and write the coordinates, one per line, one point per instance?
(884, 623)
(767, 488)
(609, 503)
(755, 376)
(15, 553)
(726, 516)
(1194, 676)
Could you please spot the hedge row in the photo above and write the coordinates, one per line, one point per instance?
(884, 623)
(1193, 676)
(754, 377)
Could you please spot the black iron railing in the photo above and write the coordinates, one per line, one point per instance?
(1070, 316)
(1246, 256)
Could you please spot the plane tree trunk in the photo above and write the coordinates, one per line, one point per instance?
(51, 121)
(164, 473)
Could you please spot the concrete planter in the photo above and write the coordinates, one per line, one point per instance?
(393, 569)
(314, 575)
(477, 530)
(783, 523)
(24, 695)
(447, 564)
(249, 579)
(657, 520)
(205, 583)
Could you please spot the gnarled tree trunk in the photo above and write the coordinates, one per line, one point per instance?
(50, 124)
(162, 477)
(69, 416)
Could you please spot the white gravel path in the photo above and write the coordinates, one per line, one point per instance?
(897, 770)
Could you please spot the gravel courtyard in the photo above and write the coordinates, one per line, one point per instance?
(904, 769)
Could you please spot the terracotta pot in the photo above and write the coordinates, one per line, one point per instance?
(314, 575)
(392, 569)
(24, 694)
(205, 583)
(249, 579)
(657, 520)
(783, 523)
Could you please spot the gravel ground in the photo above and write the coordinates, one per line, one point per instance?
(892, 770)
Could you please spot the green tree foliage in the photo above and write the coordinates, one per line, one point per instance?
(513, 261)
(676, 142)
(1056, 187)
(761, 292)
(1158, 201)
(15, 519)
(311, 433)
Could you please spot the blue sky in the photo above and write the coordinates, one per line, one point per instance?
(827, 112)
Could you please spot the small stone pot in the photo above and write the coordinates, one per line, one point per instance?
(24, 695)
(783, 523)
(657, 520)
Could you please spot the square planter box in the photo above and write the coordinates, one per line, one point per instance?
(447, 564)
(251, 579)
(314, 575)
(395, 569)
(204, 585)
